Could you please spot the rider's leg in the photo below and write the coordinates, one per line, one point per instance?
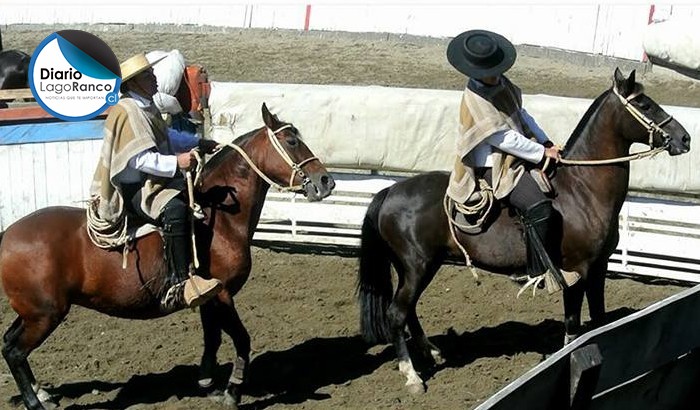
(542, 241)
(182, 292)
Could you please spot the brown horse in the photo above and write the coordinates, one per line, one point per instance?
(48, 263)
(406, 225)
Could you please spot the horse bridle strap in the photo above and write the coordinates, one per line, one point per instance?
(649, 124)
(296, 168)
(652, 127)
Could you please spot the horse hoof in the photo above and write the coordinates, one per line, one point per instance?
(437, 357)
(46, 399)
(49, 405)
(416, 388)
(569, 338)
(206, 382)
(230, 400)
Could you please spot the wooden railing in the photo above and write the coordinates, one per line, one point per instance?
(647, 360)
(16, 94)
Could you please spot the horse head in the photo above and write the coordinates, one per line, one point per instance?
(289, 161)
(645, 121)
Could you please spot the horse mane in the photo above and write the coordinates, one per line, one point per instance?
(584, 121)
(638, 89)
(225, 152)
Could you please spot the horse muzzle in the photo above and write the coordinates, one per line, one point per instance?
(679, 146)
(318, 186)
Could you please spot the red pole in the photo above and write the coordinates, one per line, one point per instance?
(652, 8)
(308, 17)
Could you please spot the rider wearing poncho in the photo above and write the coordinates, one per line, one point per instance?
(138, 175)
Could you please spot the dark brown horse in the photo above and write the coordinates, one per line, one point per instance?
(48, 263)
(14, 68)
(406, 225)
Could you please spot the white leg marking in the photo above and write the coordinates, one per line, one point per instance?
(413, 381)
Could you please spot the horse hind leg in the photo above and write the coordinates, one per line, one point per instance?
(404, 301)
(426, 347)
(18, 342)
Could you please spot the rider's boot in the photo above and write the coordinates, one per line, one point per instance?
(181, 288)
(542, 245)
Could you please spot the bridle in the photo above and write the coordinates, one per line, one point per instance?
(650, 125)
(297, 168)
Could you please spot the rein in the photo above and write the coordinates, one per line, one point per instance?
(652, 128)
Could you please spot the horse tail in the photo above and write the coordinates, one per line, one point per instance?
(374, 287)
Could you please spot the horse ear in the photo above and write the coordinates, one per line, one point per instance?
(269, 119)
(622, 84)
(631, 80)
(618, 78)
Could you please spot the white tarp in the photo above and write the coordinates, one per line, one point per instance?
(676, 41)
(414, 130)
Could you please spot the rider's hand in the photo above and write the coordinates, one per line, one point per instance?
(185, 160)
(553, 152)
(207, 146)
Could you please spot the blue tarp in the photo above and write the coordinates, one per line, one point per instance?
(51, 132)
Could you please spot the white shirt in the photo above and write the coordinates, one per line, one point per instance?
(147, 161)
(512, 142)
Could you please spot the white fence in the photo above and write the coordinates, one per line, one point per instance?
(658, 238)
(608, 29)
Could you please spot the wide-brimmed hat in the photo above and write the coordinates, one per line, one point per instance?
(481, 53)
(136, 65)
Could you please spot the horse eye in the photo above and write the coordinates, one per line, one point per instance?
(292, 141)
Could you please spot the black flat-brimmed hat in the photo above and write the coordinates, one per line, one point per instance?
(481, 53)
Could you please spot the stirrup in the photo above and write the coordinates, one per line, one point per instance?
(198, 290)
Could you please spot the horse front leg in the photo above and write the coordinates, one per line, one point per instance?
(233, 326)
(573, 301)
(211, 327)
(595, 293)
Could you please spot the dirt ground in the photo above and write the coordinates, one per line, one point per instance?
(300, 309)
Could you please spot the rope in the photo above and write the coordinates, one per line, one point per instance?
(633, 157)
(486, 201)
(106, 235)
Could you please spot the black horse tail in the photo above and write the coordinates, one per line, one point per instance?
(374, 287)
